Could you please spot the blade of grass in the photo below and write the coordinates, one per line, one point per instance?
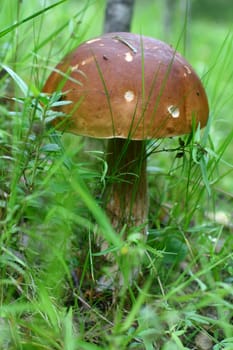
(29, 18)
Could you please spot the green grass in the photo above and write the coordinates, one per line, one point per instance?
(51, 217)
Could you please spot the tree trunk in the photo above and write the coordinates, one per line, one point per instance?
(118, 15)
(169, 15)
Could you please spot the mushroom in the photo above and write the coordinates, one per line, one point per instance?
(128, 88)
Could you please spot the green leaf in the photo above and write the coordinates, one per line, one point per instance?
(205, 174)
(50, 147)
(21, 84)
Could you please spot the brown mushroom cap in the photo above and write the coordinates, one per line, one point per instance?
(129, 86)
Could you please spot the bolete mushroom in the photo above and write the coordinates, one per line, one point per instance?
(128, 88)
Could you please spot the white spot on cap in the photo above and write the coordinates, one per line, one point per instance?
(174, 111)
(128, 57)
(188, 69)
(74, 68)
(129, 96)
(87, 60)
(92, 41)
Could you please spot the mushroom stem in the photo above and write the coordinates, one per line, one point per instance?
(125, 197)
